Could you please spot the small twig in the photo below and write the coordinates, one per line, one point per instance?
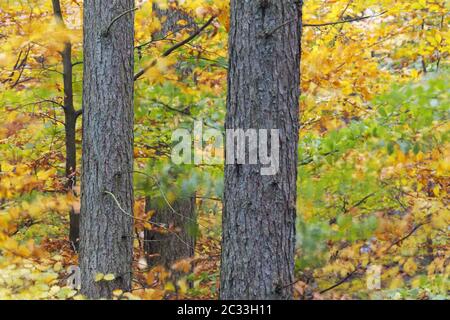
(140, 46)
(44, 100)
(142, 220)
(165, 198)
(183, 112)
(310, 159)
(105, 32)
(345, 9)
(340, 282)
(4, 205)
(269, 33)
(126, 213)
(47, 116)
(166, 37)
(399, 241)
(360, 202)
(27, 224)
(209, 198)
(342, 21)
(22, 68)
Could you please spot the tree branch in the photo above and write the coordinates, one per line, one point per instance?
(105, 32)
(78, 113)
(399, 241)
(340, 282)
(177, 46)
(342, 21)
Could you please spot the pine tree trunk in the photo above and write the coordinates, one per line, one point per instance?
(106, 230)
(263, 93)
(163, 247)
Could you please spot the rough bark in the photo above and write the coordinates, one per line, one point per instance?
(70, 116)
(106, 233)
(164, 247)
(263, 93)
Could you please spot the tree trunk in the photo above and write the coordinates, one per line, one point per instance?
(70, 123)
(164, 247)
(71, 164)
(263, 93)
(106, 232)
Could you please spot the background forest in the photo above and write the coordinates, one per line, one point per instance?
(374, 157)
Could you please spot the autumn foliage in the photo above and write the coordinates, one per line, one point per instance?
(374, 176)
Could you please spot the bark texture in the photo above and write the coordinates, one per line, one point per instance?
(70, 123)
(263, 93)
(163, 247)
(107, 166)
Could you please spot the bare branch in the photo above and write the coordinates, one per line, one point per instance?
(410, 233)
(78, 113)
(343, 21)
(105, 32)
(340, 282)
(177, 46)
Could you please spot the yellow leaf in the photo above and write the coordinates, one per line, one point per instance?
(436, 190)
(117, 292)
(150, 278)
(99, 277)
(57, 267)
(162, 4)
(169, 287)
(438, 37)
(148, 226)
(44, 175)
(397, 282)
(410, 267)
(109, 277)
(154, 294)
(182, 284)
